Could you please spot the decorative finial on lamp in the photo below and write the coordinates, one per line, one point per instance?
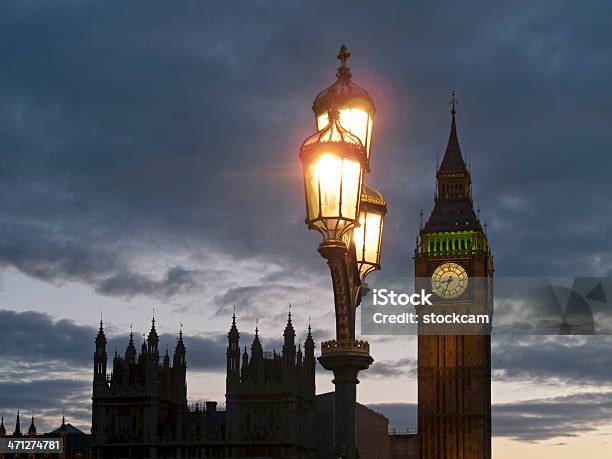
(343, 71)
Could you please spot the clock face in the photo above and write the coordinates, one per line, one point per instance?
(449, 280)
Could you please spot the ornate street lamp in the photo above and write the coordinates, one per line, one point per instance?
(349, 215)
(354, 103)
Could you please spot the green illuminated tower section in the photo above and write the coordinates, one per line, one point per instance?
(454, 372)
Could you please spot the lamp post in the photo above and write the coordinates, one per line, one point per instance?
(349, 215)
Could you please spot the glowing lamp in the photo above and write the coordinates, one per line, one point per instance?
(355, 105)
(333, 161)
(367, 236)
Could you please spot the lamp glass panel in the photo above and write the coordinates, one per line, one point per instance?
(328, 173)
(312, 192)
(351, 188)
(355, 120)
(334, 184)
(367, 237)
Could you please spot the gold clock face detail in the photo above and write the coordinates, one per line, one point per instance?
(449, 280)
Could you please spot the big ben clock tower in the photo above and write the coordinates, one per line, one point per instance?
(454, 371)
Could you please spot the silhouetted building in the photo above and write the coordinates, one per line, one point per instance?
(270, 398)
(140, 409)
(371, 430)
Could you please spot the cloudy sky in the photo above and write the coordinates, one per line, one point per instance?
(148, 159)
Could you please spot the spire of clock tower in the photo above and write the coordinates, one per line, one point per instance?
(454, 208)
(453, 178)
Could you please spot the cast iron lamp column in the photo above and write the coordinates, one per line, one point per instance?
(349, 215)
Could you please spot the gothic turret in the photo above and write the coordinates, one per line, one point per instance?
(256, 348)
(130, 351)
(179, 364)
(179, 352)
(257, 358)
(233, 356)
(289, 343)
(17, 431)
(32, 429)
(100, 359)
(153, 343)
(309, 359)
(2, 428)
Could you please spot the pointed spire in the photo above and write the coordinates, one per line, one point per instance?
(2, 428)
(179, 350)
(309, 343)
(101, 338)
(153, 330)
(289, 332)
(63, 426)
(32, 429)
(130, 351)
(453, 159)
(153, 338)
(256, 348)
(233, 332)
(17, 431)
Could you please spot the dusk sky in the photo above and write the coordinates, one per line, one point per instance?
(148, 160)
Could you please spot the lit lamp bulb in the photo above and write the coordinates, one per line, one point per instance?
(333, 160)
(367, 236)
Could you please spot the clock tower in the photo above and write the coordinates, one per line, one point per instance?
(454, 371)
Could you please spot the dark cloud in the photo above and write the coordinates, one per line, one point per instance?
(58, 258)
(176, 280)
(33, 343)
(543, 419)
(32, 337)
(164, 130)
(553, 360)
